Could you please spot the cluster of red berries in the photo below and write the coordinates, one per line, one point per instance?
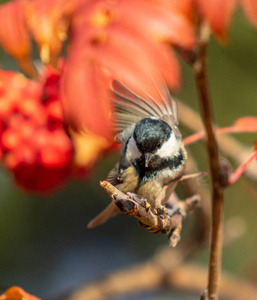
(34, 145)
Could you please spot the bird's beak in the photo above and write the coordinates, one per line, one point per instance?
(147, 159)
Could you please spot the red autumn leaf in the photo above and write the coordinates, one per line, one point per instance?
(85, 99)
(246, 123)
(185, 7)
(122, 53)
(250, 9)
(218, 14)
(142, 23)
(157, 22)
(155, 19)
(130, 48)
(14, 36)
(17, 293)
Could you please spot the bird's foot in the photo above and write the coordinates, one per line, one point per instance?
(179, 211)
(161, 210)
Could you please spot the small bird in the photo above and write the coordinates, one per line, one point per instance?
(152, 153)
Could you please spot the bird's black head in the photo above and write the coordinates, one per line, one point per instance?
(150, 134)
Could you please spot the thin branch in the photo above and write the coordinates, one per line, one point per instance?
(200, 73)
(231, 129)
(166, 268)
(241, 169)
(136, 206)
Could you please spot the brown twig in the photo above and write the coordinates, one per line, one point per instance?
(166, 268)
(199, 68)
(136, 206)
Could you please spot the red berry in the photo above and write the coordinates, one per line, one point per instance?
(10, 139)
(11, 160)
(51, 157)
(34, 144)
(54, 110)
(6, 108)
(27, 153)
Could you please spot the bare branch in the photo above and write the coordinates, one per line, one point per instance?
(136, 206)
(200, 73)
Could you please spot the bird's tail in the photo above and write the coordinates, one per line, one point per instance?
(110, 211)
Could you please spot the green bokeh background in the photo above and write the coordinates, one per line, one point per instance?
(45, 246)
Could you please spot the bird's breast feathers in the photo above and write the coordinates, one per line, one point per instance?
(160, 170)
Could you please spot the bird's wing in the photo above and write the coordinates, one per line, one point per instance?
(131, 108)
(111, 210)
(112, 176)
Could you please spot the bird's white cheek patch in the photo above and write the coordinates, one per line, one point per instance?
(171, 146)
(132, 150)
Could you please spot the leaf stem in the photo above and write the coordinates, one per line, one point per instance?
(200, 74)
(223, 130)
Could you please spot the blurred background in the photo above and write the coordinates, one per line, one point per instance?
(45, 246)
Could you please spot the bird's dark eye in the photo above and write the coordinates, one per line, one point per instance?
(158, 145)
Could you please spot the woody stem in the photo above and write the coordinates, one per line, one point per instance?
(200, 74)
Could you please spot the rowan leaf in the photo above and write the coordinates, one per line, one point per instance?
(246, 122)
(14, 36)
(218, 14)
(17, 293)
(85, 98)
(250, 9)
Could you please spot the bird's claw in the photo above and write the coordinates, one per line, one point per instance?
(156, 229)
(177, 211)
(161, 211)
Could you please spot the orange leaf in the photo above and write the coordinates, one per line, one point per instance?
(250, 9)
(158, 22)
(130, 46)
(17, 293)
(185, 6)
(14, 36)
(130, 27)
(218, 14)
(246, 122)
(123, 54)
(85, 99)
(123, 40)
